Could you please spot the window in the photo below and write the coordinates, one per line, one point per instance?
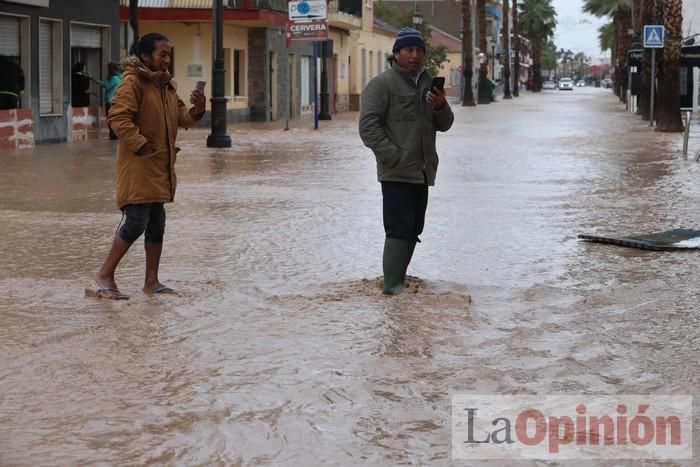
(50, 66)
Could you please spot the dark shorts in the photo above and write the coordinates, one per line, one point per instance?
(404, 206)
(140, 218)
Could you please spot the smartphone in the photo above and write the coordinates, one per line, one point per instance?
(438, 83)
(200, 85)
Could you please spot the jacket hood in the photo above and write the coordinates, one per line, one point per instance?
(132, 65)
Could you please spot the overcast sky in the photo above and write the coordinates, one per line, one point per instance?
(576, 30)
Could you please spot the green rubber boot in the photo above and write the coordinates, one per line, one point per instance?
(395, 262)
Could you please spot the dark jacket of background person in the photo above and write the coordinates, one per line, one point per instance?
(146, 109)
(399, 126)
(11, 82)
(80, 84)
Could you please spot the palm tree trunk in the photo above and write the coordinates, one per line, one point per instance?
(669, 92)
(624, 23)
(660, 65)
(645, 91)
(506, 50)
(134, 18)
(467, 54)
(536, 43)
(483, 93)
(516, 46)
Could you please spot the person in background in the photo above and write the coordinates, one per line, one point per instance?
(145, 114)
(110, 86)
(11, 83)
(80, 86)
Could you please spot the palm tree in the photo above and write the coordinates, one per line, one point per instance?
(538, 19)
(506, 51)
(620, 11)
(483, 88)
(516, 46)
(649, 13)
(669, 117)
(467, 54)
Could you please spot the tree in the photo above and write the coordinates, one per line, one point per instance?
(506, 50)
(516, 46)
(483, 83)
(669, 119)
(538, 21)
(434, 56)
(606, 37)
(649, 13)
(467, 54)
(620, 11)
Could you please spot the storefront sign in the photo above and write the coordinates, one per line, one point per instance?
(316, 30)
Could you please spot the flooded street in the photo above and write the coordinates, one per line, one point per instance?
(281, 348)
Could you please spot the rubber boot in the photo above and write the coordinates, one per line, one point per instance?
(395, 262)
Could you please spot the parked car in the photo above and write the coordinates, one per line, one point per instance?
(580, 83)
(607, 83)
(566, 84)
(549, 85)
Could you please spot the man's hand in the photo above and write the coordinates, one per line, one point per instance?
(199, 100)
(436, 98)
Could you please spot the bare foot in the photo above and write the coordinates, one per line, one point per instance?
(106, 282)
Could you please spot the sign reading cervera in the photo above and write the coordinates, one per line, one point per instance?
(307, 9)
(42, 3)
(572, 427)
(316, 30)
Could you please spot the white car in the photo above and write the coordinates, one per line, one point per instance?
(566, 84)
(549, 85)
(580, 84)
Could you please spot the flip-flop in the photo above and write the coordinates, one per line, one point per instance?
(163, 290)
(109, 293)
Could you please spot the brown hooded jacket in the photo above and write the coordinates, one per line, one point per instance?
(146, 109)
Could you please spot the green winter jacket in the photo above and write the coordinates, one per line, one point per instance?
(399, 126)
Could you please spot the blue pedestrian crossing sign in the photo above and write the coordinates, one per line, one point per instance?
(654, 37)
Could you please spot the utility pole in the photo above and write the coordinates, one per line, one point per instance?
(219, 137)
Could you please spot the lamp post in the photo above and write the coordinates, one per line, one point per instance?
(417, 16)
(493, 63)
(219, 138)
(324, 114)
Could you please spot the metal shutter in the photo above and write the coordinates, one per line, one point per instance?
(45, 67)
(85, 36)
(9, 36)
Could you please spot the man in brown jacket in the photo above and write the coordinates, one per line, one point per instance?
(145, 114)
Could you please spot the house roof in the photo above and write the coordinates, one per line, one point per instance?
(440, 37)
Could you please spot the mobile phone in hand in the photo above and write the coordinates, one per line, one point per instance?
(201, 85)
(438, 83)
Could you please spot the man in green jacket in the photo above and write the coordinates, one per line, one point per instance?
(401, 114)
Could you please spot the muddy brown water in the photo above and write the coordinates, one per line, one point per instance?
(281, 349)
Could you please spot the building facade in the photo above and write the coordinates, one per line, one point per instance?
(47, 37)
(691, 29)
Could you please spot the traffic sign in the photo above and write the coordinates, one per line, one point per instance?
(654, 37)
(307, 10)
(316, 30)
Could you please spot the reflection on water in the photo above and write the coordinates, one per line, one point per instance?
(281, 349)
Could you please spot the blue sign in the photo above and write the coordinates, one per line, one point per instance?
(654, 37)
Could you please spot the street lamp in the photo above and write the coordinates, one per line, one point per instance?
(219, 137)
(493, 61)
(417, 16)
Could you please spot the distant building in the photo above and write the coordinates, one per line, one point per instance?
(47, 37)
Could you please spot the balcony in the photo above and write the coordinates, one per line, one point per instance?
(339, 15)
(272, 5)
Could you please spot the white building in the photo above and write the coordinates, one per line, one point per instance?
(691, 26)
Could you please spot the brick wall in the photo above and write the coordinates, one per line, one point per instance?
(84, 123)
(16, 129)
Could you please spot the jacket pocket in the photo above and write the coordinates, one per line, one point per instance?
(403, 107)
